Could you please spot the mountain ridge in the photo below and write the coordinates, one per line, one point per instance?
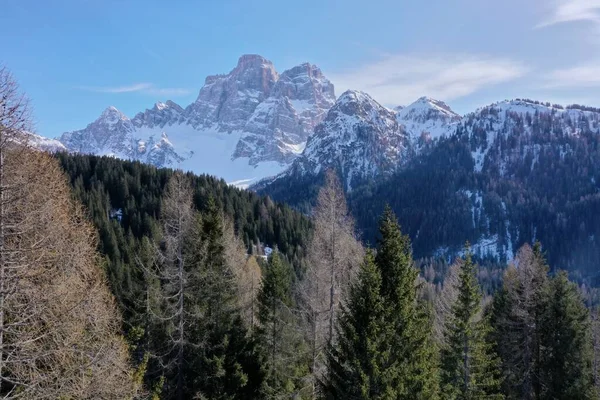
(255, 121)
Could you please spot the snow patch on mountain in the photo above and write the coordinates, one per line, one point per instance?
(513, 119)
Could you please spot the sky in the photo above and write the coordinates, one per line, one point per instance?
(73, 58)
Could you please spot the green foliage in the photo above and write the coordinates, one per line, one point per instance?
(359, 365)
(280, 341)
(413, 352)
(470, 368)
(123, 200)
(227, 356)
(392, 355)
(384, 348)
(566, 361)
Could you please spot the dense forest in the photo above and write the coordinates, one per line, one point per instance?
(348, 323)
(537, 182)
(122, 281)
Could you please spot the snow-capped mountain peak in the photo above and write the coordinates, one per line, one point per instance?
(247, 124)
(427, 118)
(112, 115)
(524, 122)
(359, 137)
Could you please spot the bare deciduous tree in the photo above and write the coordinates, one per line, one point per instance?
(172, 279)
(247, 274)
(334, 255)
(59, 328)
(444, 300)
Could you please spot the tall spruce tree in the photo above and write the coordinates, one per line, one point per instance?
(413, 352)
(470, 368)
(516, 317)
(278, 335)
(359, 364)
(566, 361)
(227, 368)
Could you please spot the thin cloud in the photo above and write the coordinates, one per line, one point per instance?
(146, 88)
(572, 11)
(579, 76)
(136, 87)
(400, 79)
(168, 91)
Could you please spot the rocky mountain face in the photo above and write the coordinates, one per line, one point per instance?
(508, 173)
(249, 123)
(359, 138)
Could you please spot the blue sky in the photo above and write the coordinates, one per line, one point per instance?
(76, 57)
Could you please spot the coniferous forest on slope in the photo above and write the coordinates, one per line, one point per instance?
(397, 330)
(538, 182)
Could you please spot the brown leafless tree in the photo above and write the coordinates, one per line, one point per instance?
(247, 274)
(334, 255)
(59, 328)
(171, 279)
(444, 301)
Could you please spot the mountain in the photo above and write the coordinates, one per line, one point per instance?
(359, 138)
(248, 124)
(40, 143)
(427, 119)
(508, 173)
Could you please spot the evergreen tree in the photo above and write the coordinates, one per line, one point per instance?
(516, 318)
(359, 364)
(280, 341)
(413, 352)
(566, 362)
(228, 354)
(470, 368)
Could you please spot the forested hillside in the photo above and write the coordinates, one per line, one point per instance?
(204, 319)
(123, 199)
(512, 173)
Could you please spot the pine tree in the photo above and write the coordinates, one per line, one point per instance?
(280, 341)
(228, 366)
(516, 318)
(566, 362)
(197, 331)
(470, 369)
(413, 351)
(359, 364)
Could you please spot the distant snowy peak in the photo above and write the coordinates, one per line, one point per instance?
(253, 119)
(229, 100)
(359, 137)
(161, 115)
(502, 132)
(281, 124)
(41, 143)
(427, 118)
